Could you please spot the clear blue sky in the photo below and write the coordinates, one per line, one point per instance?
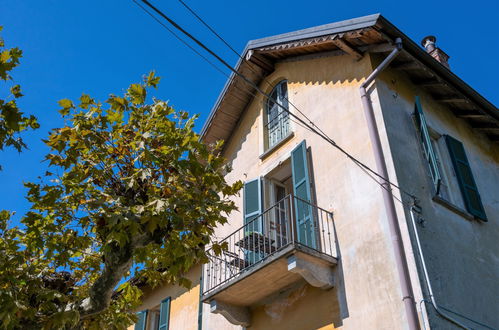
(101, 46)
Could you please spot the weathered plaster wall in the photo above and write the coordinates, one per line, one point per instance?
(184, 303)
(286, 312)
(367, 294)
(462, 255)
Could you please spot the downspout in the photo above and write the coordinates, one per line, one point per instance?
(200, 311)
(414, 210)
(398, 245)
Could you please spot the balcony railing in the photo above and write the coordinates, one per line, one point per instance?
(290, 221)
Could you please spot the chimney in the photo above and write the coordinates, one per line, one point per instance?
(429, 44)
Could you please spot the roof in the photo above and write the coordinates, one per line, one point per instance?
(368, 34)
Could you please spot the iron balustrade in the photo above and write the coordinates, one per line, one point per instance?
(268, 233)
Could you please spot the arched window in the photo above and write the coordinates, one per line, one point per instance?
(277, 125)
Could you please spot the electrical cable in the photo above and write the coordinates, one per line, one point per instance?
(362, 166)
(314, 129)
(181, 40)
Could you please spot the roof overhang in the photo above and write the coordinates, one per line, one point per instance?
(369, 34)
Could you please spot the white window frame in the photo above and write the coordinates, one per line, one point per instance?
(449, 186)
(280, 128)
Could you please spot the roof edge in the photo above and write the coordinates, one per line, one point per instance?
(376, 21)
(326, 29)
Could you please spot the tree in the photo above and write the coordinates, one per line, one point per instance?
(133, 193)
(12, 120)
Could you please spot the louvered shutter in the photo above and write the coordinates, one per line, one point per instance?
(465, 178)
(252, 210)
(141, 322)
(427, 146)
(301, 188)
(164, 314)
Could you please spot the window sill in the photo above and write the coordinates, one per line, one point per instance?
(277, 145)
(453, 208)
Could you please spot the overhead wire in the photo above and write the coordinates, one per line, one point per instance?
(181, 40)
(312, 128)
(362, 166)
(250, 65)
(254, 94)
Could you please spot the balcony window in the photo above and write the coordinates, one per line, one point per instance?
(285, 238)
(277, 116)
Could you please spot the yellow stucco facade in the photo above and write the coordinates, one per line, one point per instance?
(184, 305)
(366, 292)
(327, 90)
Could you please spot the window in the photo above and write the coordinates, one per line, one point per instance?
(449, 168)
(290, 176)
(277, 119)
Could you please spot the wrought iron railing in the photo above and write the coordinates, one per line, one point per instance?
(290, 221)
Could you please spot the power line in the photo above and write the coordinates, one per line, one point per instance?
(210, 28)
(313, 128)
(203, 57)
(180, 39)
(356, 161)
(250, 65)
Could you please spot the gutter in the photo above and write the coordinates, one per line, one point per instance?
(393, 223)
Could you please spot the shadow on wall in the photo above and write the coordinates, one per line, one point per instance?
(339, 287)
(153, 296)
(304, 307)
(328, 72)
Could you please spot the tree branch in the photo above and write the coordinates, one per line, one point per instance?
(116, 263)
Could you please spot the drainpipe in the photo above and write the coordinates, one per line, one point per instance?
(398, 246)
(415, 209)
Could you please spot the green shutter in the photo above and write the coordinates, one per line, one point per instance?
(427, 146)
(465, 178)
(141, 322)
(164, 314)
(301, 189)
(252, 210)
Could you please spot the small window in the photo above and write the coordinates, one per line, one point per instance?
(449, 187)
(277, 115)
(449, 168)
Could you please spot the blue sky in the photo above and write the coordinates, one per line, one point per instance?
(100, 47)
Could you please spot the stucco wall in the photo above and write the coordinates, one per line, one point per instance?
(462, 255)
(367, 294)
(184, 303)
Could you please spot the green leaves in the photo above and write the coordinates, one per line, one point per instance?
(16, 91)
(12, 120)
(66, 105)
(85, 101)
(131, 187)
(152, 80)
(117, 103)
(137, 94)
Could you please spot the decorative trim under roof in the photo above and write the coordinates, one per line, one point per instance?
(355, 37)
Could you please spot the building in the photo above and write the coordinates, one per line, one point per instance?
(319, 242)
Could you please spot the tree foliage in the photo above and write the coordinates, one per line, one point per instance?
(132, 192)
(12, 120)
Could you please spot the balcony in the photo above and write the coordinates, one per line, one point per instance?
(291, 241)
